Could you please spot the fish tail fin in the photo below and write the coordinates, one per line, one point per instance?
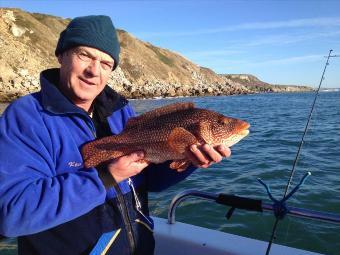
(102, 150)
(90, 156)
(95, 153)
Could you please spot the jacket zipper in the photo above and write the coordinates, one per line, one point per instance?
(137, 202)
(122, 207)
(126, 218)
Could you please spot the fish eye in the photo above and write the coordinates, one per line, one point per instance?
(223, 120)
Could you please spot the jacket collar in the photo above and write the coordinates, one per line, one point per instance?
(54, 101)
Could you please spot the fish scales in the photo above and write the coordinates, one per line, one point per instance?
(165, 133)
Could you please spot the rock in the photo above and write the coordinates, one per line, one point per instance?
(16, 82)
(6, 73)
(26, 85)
(8, 17)
(171, 92)
(23, 72)
(17, 31)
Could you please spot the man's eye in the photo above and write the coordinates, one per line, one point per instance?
(84, 56)
(107, 65)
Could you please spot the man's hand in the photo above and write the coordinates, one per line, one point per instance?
(205, 155)
(127, 166)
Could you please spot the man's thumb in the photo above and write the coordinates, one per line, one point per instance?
(136, 156)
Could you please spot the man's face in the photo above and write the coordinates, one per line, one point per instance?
(84, 72)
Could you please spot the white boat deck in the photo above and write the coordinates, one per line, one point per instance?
(180, 239)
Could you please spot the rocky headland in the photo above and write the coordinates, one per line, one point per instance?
(28, 40)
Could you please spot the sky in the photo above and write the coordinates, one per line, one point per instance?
(280, 42)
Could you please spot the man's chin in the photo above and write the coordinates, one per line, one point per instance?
(88, 94)
(83, 99)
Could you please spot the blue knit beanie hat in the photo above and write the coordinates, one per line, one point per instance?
(95, 31)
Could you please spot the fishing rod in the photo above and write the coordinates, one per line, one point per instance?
(285, 196)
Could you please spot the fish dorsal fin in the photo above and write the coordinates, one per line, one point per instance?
(180, 138)
(145, 117)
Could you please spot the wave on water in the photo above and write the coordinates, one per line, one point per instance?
(330, 90)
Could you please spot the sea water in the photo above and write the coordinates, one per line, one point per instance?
(277, 124)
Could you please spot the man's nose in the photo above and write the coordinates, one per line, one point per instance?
(94, 67)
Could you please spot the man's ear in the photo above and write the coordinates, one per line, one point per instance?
(60, 58)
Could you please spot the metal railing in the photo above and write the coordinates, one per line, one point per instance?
(247, 204)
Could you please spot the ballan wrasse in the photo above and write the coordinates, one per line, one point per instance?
(165, 133)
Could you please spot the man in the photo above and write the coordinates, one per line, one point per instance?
(48, 198)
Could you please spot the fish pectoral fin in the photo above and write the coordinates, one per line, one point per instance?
(180, 165)
(205, 132)
(180, 138)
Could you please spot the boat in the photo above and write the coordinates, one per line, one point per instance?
(184, 239)
(181, 239)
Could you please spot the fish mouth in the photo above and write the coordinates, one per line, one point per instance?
(243, 133)
(243, 129)
(238, 136)
(244, 125)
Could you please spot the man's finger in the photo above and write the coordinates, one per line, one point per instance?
(214, 155)
(199, 155)
(192, 158)
(223, 150)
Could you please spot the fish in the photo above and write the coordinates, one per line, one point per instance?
(165, 133)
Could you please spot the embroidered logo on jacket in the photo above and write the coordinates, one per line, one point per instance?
(74, 164)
